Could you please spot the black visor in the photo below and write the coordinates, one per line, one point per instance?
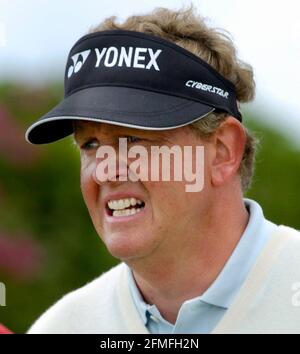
(134, 80)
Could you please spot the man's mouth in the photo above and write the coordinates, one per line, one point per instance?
(124, 207)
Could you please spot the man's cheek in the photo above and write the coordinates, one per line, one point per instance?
(88, 186)
(86, 170)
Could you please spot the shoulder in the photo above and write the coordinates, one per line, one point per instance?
(285, 240)
(82, 308)
(290, 239)
(289, 233)
(281, 256)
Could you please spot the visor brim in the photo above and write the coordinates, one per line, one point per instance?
(123, 106)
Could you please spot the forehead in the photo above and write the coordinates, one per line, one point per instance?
(83, 128)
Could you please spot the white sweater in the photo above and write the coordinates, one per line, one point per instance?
(266, 302)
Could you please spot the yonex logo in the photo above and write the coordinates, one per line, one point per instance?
(141, 58)
(78, 61)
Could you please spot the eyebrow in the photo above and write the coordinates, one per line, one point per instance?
(78, 139)
(89, 135)
(77, 127)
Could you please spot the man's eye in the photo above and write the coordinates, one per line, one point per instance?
(90, 145)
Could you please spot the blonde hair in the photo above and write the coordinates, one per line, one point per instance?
(190, 31)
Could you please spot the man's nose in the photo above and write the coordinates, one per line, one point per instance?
(113, 169)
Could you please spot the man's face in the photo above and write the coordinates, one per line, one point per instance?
(169, 216)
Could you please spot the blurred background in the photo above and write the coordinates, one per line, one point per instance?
(48, 246)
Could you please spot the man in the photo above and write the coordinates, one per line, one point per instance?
(202, 261)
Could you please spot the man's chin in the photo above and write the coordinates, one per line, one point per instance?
(126, 247)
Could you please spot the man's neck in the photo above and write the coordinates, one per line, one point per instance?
(174, 279)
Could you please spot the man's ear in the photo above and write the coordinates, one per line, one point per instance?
(228, 148)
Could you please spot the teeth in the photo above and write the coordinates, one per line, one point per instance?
(123, 203)
(126, 212)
